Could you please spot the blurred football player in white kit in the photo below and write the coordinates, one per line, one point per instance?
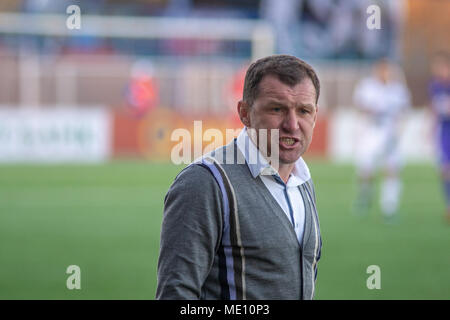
(383, 100)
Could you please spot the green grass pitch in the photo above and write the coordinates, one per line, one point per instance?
(106, 219)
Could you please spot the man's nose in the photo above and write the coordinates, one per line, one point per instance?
(290, 122)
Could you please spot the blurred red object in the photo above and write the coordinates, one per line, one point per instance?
(142, 95)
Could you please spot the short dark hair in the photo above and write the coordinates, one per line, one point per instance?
(289, 70)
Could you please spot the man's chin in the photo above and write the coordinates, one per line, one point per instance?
(289, 158)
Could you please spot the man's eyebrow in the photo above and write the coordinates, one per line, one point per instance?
(276, 102)
(279, 103)
(306, 105)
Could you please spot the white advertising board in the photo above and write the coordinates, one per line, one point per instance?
(54, 135)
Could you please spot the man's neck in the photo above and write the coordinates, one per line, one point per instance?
(285, 171)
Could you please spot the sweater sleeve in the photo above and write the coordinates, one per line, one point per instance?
(190, 234)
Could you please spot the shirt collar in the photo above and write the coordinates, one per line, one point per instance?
(258, 164)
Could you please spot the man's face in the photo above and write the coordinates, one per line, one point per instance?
(440, 68)
(291, 110)
(383, 71)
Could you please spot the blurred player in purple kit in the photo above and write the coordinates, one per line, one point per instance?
(439, 92)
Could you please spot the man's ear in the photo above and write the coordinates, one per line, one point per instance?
(244, 112)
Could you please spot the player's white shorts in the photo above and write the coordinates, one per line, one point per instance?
(376, 147)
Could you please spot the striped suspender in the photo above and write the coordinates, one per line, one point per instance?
(231, 251)
(318, 238)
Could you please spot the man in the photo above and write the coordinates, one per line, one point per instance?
(439, 91)
(382, 100)
(243, 229)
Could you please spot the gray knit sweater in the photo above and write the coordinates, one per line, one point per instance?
(224, 236)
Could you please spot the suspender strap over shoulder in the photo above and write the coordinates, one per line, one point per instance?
(231, 251)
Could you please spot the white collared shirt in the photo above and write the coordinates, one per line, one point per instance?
(300, 174)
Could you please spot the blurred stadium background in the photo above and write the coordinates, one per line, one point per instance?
(86, 117)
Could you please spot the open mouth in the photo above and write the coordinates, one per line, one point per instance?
(288, 141)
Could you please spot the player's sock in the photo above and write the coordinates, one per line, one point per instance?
(390, 195)
(447, 199)
(447, 192)
(364, 198)
(447, 215)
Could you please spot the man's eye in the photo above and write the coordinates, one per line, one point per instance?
(304, 111)
(276, 109)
